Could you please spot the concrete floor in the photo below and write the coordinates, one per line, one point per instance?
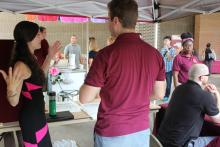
(83, 133)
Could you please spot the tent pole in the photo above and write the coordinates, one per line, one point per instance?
(47, 6)
(153, 10)
(178, 9)
(87, 46)
(184, 10)
(155, 44)
(5, 10)
(214, 10)
(156, 35)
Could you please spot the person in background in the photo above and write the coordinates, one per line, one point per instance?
(25, 80)
(126, 73)
(42, 53)
(110, 40)
(168, 53)
(184, 117)
(74, 48)
(93, 47)
(209, 56)
(184, 60)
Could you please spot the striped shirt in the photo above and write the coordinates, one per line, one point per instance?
(168, 63)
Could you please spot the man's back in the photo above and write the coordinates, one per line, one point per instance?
(184, 116)
(126, 71)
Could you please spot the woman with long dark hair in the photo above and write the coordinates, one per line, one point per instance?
(25, 81)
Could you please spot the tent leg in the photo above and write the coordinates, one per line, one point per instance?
(156, 35)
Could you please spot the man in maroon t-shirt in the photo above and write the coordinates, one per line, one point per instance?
(42, 53)
(126, 73)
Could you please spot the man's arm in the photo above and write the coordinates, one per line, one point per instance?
(217, 95)
(158, 91)
(88, 93)
(215, 118)
(212, 89)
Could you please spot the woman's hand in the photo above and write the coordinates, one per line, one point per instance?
(13, 79)
(54, 49)
(51, 54)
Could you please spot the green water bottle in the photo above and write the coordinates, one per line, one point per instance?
(52, 103)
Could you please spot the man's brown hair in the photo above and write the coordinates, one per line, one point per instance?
(125, 10)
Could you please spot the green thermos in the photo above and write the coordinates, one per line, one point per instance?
(52, 103)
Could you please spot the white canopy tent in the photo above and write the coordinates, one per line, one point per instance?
(149, 10)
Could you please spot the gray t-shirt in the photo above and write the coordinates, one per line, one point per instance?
(73, 49)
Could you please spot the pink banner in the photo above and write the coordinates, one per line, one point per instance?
(47, 18)
(66, 19)
(30, 17)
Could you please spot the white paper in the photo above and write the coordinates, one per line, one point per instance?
(91, 109)
(72, 60)
(67, 106)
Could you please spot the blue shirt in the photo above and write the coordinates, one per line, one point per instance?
(168, 63)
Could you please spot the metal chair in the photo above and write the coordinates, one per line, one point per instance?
(154, 142)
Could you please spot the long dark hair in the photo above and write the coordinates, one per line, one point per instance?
(25, 32)
(187, 37)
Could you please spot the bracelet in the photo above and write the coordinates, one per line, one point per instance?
(12, 95)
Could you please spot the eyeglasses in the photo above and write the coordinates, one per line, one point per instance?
(206, 75)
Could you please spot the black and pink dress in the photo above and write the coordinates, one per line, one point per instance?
(32, 115)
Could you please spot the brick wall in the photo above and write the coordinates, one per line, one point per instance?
(175, 27)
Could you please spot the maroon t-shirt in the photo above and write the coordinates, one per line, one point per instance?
(182, 64)
(41, 53)
(126, 72)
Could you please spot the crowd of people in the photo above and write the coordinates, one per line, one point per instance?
(126, 74)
